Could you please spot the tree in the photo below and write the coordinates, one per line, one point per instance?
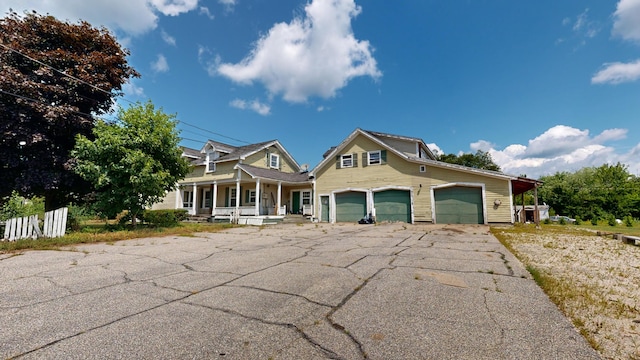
(53, 76)
(479, 160)
(132, 162)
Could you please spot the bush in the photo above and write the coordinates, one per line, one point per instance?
(546, 221)
(562, 221)
(165, 218)
(76, 216)
(628, 221)
(578, 220)
(17, 206)
(611, 220)
(594, 221)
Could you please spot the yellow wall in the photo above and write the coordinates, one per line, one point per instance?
(168, 202)
(402, 173)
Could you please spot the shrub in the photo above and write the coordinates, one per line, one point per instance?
(546, 221)
(165, 218)
(18, 206)
(76, 216)
(562, 221)
(611, 220)
(578, 220)
(628, 221)
(594, 221)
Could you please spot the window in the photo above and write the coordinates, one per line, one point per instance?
(212, 156)
(187, 199)
(274, 161)
(252, 196)
(346, 161)
(232, 197)
(306, 198)
(423, 168)
(374, 157)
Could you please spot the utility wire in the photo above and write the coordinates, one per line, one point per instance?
(101, 90)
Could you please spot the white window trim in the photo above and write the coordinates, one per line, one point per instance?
(252, 196)
(423, 168)
(211, 165)
(187, 199)
(379, 157)
(345, 157)
(275, 157)
(204, 198)
(302, 197)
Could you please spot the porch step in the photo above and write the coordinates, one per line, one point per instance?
(295, 219)
(198, 218)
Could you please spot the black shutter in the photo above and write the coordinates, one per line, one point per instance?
(354, 157)
(338, 158)
(365, 159)
(383, 156)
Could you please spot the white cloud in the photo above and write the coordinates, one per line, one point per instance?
(561, 148)
(174, 7)
(132, 90)
(616, 73)
(228, 4)
(315, 55)
(255, 105)
(160, 65)
(582, 28)
(133, 17)
(205, 11)
(168, 38)
(435, 149)
(627, 20)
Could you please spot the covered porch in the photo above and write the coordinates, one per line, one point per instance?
(248, 195)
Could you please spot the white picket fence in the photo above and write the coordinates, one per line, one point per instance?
(55, 225)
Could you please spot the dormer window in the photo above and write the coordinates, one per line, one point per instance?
(274, 161)
(212, 156)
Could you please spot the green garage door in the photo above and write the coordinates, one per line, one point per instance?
(459, 205)
(351, 206)
(393, 205)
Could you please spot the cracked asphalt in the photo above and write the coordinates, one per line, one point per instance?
(312, 291)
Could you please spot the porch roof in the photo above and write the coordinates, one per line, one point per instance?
(275, 175)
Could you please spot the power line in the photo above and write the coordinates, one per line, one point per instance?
(104, 91)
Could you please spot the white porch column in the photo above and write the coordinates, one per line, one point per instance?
(313, 201)
(258, 197)
(279, 201)
(194, 209)
(214, 198)
(237, 196)
(179, 197)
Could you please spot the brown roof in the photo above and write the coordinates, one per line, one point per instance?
(272, 174)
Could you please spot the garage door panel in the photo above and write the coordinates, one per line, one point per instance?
(351, 206)
(393, 205)
(459, 205)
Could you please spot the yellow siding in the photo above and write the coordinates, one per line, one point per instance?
(168, 202)
(402, 173)
(259, 159)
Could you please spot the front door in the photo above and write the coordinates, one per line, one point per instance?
(295, 202)
(324, 211)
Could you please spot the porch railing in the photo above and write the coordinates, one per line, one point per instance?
(244, 210)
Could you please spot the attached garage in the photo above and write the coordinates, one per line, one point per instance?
(393, 205)
(458, 205)
(351, 206)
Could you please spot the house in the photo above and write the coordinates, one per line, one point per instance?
(397, 178)
(390, 177)
(258, 181)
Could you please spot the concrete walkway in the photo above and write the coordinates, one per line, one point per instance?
(313, 291)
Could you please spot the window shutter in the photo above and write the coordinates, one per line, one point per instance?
(226, 197)
(268, 160)
(338, 158)
(239, 199)
(383, 156)
(355, 160)
(365, 159)
(246, 195)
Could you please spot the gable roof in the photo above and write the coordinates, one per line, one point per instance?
(272, 174)
(234, 153)
(382, 136)
(378, 138)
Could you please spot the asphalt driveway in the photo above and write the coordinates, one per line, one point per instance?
(312, 291)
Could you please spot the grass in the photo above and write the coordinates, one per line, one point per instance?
(105, 233)
(581, 300)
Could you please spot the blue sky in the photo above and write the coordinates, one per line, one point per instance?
(544, 86)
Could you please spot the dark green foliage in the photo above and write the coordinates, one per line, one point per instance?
(479, 160)
(578, 220)
(76, 216)
(628, 221)
(611, 220)
(594, 221)
(593, 193)
(43, 109)
(546, 221)
(165, 218)
(562, 221)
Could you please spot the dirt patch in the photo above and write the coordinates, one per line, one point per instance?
(594, 280)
